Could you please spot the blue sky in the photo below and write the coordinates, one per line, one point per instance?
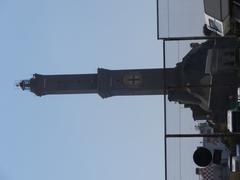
(78, 136)
(83, 136)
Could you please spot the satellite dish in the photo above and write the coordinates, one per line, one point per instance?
(202, 157)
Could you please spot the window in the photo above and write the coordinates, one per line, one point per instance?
(133, 79)
(215, 25)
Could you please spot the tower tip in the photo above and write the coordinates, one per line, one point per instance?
(24, 84)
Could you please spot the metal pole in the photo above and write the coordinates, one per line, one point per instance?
(157, 19)
(195, 38)
(203, 135)
(165, 108)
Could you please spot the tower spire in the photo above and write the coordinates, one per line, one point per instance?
(206, 80)
(105, 82)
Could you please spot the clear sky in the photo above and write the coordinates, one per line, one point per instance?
(73, 137)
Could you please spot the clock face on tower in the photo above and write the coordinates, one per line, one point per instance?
(132, 79)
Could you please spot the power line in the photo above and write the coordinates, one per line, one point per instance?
(168, 18)
(179, 124)
(221, 135)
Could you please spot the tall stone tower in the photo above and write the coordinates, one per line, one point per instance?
(106, 83)
(206, 80)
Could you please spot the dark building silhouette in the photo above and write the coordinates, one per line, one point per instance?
(206, 80)
(106, 83)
